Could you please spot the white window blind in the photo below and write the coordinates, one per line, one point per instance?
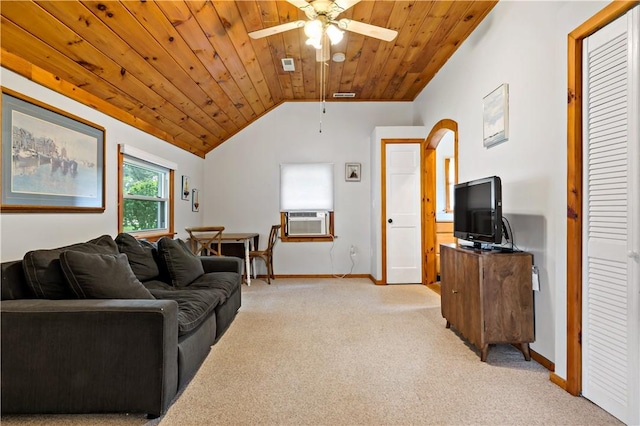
(306, 187)
(134, 152)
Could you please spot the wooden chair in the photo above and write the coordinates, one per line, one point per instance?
(267, 254)
(203, 238)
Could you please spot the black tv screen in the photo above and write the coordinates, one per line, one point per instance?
(477, 211)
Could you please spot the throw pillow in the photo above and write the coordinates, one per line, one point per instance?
(183, 266)
(140, 255)
(42, 267)
(101, 276)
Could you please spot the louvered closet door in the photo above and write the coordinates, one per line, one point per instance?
(611, 277)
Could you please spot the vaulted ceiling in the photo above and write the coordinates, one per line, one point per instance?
(188, 72)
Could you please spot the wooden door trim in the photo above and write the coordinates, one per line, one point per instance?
(430, 275)
(574, 186)
(383, 197)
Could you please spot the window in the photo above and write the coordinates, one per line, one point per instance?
(306, 201)
(145, 194)
(450, 180)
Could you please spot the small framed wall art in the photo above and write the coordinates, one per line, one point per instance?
(195, 200)
(186, 190)
(495, 116)
(352, 172)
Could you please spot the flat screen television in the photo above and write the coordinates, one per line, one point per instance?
(477, 211)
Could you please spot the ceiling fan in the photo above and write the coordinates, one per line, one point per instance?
(323, 26)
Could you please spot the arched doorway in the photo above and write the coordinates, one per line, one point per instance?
(438, 131)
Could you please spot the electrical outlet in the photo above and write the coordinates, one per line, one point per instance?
(352, 250)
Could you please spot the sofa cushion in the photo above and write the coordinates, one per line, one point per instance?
(194, 306)
(182, 265)
(157, 285)
(225, 281)
(43, 272)
(101, 276)
(140, 255)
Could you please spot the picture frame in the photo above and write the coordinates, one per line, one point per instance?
(186, 191)
(352, 172)
(195, 200)
(52, 161)
(495, 116)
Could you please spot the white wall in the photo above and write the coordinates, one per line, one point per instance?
(242, 178)
(523, 44)
(21, 232)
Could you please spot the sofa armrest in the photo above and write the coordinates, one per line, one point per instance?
(88, 356)
(222, 264)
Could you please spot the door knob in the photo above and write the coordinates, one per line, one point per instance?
(390, 221)
(633, 255)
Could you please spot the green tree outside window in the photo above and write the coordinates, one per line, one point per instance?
(144, 198)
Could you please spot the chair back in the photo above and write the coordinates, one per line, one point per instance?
(202, 240)
(273, 237)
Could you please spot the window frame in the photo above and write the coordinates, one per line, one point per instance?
(328, 208)
(305, 238)
(155, 234)
(449, 182)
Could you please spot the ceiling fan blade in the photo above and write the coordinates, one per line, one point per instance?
(367, 29)
(306, 7)
(339, 6)
(276, 30)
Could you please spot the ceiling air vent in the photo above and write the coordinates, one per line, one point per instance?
(288, 64)
(344, 95)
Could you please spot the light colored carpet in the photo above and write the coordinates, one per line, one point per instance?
(347, 352)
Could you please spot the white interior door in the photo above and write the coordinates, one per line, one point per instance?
(403, 223)
(611, 210)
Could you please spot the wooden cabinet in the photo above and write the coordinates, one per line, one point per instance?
(487, 296)
(444, 235)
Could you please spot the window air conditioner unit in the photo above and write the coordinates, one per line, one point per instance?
(307, 223)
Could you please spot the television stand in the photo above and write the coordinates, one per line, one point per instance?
(487, 297)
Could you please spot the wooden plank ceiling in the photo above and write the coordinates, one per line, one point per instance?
(187, 71)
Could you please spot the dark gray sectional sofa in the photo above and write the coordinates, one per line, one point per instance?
(110, 325)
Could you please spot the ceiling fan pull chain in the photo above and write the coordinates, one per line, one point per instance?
(321, 112)
(322, 90)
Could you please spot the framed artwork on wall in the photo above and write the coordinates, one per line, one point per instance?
(185, 188)
(52, 161)
(195, 200)
(495, 115)
(352, 172)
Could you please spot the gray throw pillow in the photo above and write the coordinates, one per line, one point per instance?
(140, 255)
(101, 276)
(42, 267)
(183, 266)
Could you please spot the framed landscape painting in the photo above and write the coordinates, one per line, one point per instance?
(496, 116)
(52, 161)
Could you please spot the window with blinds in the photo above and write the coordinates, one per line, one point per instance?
(306, 200)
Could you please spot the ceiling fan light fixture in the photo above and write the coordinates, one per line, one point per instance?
(335, 35)
(313, 29)
(315, 42)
